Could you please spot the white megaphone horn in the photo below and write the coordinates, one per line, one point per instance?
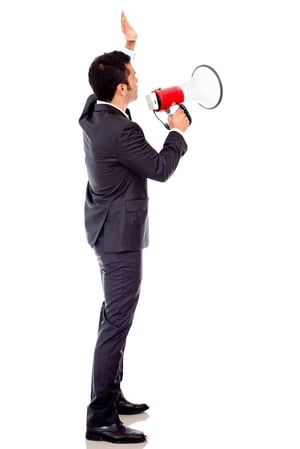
(205, 87)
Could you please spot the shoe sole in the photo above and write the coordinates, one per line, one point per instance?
(96, 437)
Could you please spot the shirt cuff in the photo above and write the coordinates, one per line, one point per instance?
(177, 130)
(130, 53)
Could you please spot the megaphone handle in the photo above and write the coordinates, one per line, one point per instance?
(168, 112)
(186, 112)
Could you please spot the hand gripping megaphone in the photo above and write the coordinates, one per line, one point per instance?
(204, 87)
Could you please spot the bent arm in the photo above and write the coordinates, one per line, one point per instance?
(139, 156)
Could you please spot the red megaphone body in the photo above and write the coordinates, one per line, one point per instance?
(162, 99)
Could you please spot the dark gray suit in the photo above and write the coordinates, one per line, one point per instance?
(119, 160)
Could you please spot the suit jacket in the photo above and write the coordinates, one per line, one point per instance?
(119, 160)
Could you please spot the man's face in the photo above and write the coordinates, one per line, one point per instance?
(132, 88)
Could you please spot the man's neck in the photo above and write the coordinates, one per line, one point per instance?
(119, 104)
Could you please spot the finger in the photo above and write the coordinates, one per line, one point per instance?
(123, 21)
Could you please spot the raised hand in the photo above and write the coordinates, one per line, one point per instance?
(128, 31)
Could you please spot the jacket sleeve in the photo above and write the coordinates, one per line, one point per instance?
(137, 154)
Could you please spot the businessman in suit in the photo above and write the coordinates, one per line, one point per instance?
(119, 161)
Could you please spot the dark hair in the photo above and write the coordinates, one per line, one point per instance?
(106, 72)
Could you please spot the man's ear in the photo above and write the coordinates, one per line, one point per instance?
(121, 89)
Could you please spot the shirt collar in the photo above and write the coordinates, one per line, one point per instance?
(105, 102)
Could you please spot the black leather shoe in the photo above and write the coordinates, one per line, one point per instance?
(128, 408)
(115, 433)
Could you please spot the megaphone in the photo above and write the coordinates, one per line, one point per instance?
(204, 87)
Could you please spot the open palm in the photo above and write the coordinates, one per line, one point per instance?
(129, 33)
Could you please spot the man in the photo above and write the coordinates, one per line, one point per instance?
(119, 160)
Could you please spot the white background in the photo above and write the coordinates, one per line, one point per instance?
(215, 344)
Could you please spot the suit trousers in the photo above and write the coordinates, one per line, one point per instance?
(121, 275)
